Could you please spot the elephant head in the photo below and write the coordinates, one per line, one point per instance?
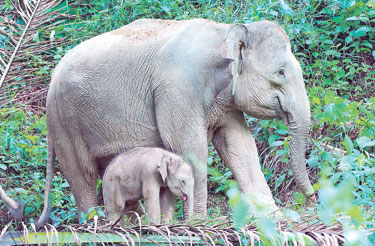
(178, 175)
(268, 83)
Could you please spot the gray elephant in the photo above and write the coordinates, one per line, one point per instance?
(14, 207)
(178, 85)
(153, 173)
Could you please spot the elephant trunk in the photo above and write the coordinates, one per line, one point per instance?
(299, 125)
(188, 206)
(191, 207)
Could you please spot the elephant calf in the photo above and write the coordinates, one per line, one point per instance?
(152, 173)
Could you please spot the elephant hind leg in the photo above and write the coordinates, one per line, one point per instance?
(86, 190)
(133, 212)
(78, 167)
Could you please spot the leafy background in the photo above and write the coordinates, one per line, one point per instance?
(335, 44)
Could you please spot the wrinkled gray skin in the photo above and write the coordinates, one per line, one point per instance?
(178, 85)
(15, 208)
(153, 173)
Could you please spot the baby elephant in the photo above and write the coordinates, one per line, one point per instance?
(152, 173)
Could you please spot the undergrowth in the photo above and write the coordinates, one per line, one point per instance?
(335, 44)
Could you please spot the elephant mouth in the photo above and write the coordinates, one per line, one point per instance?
(283, 114)
(184, 197)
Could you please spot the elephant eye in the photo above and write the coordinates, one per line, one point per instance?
(183, 182)
(282, 72)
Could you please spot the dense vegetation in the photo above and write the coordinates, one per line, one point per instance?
(335, 44)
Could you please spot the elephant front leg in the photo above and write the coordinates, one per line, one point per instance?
(114, 201)
(167, 205)
(236, 146)
(193, 147)
(183, 131)
(152, 199)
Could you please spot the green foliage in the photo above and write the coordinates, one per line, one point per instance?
(218, 174)
(91, 213)
(23, 148)
(335, 42)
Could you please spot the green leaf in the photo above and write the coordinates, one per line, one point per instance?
(356, 18)
(36, 38)
(272, 139)
(3, 166)
(8, 4)
(280, 180)
(348, 145)
(362, 31)
(240, 211)
(19, 190)
(347, 162)
(267, 227)
(64, 185)
(346, 3)
(364, 142)
(355, 213)
(316, 100)
(328, 42)
(298, 197)
(277, 143)
(91, 213)
(348, 39)
(331, 52)
(281, 131)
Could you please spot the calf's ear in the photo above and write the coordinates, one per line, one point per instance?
(163, 167)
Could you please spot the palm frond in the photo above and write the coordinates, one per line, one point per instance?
(218, 231)
(28, 19)
(24, 58)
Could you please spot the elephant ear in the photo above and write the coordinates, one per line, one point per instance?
(163, 167)
(173, 165)
(235, 42)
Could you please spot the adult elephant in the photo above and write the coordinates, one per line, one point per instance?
(177, 85)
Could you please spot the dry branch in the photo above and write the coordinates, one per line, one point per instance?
(333, 149)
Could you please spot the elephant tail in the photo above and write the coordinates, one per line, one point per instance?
(47, 192)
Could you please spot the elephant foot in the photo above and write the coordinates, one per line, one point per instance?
(200, 213)
(271, 209)
(263, 206)
(311, 201)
